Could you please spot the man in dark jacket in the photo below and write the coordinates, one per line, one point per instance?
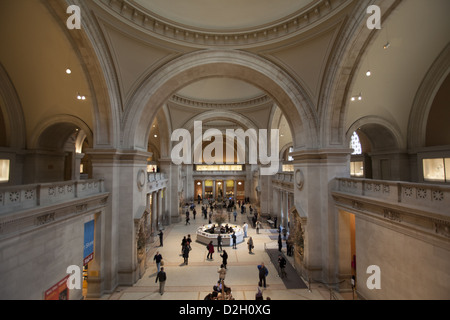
(263, 272)
(162, 277)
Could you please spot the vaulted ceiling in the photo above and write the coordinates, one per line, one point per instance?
(141, 36)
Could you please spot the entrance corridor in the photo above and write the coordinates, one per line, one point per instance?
(195, 280)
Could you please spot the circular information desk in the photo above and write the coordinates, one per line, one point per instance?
(209, 232)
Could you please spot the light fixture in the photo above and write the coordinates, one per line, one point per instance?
(199, 183)
(80, 97)
(368, 73)
(68, 71)
(387, 45)
(359, 97)
(156, 136)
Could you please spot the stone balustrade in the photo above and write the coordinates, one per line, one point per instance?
(21, 197)
(430, 197)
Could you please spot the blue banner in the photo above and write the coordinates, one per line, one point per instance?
(88, 253)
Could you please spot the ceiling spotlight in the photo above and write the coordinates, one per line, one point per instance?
(80, 97)
(359, 97)
(387, 45)
(68, 71)
(368, 73)
(156, 136)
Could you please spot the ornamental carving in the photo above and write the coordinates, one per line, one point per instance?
(44, 219)
(442, 228)
(159, 27)
(392, 215)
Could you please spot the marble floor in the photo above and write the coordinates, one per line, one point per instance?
(195, 280)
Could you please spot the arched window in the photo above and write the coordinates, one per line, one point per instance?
(355, 144)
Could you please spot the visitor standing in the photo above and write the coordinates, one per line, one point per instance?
(250, 245)
(263, 272)
(235, 215)
(234, 240)
(222, 272)
(245, 228)
(162, 277)
(280, 242)
(258, 225)
(224, 256)
(186, 254)
(219, 242)
(210, 248)
(160, 238)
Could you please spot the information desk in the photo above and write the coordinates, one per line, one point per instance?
(205, 236)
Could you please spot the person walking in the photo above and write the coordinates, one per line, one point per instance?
(157, 258)
(160, 238)
(224, 256)
(219, 243)
(282, 264)
(263, 272)
(222, 272)
(250, 245)
(210, 250)
(162, 277)
(235, 215)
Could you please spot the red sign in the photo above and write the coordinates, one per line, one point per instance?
(59, 291)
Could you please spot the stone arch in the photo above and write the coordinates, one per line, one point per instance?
(90, 46)
(158, 88)
(381, 133)
(11, 109)
(424, 98)
(56, 131)
(353, 40)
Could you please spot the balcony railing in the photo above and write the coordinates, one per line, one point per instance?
(21, 197)
(434, 198)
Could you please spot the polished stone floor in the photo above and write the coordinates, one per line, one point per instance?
(195, 280)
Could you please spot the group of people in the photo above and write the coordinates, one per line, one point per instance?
(220, 290)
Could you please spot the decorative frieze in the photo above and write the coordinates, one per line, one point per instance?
(392, 215)
(44, 219)
(171, 31)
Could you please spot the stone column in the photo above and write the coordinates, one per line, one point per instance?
(124, 174)
(76, 171)
(173, 190)
(203, 190)
(314, 171)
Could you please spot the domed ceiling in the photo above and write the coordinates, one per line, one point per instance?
(223, 15)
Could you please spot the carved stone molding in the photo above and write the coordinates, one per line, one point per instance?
(172, 31)
(392, 215)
